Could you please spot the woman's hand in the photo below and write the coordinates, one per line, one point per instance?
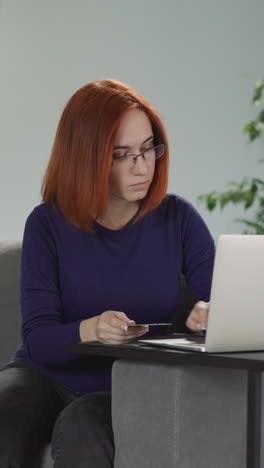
(198, 316)
(110, 327)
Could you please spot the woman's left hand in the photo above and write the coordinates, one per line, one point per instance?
(198, 317)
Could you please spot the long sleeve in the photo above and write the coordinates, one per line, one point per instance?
(45, 336)
(198, 253)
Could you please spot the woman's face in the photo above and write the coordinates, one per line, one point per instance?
(134, 134)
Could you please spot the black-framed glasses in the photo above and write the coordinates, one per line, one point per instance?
(149, 154)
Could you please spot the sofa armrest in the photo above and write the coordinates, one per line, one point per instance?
(10, 329)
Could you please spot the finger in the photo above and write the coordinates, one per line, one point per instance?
(200, 319)
(200, 311)
(192, 324)
(202, 307)
(136, 332)
(117, 324)
(118, 334)
(195, 323)
(120, 324)
(104, 329)
(122, 316)
(112, 339)
(126, 339)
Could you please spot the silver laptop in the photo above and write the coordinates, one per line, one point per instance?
(236, 313)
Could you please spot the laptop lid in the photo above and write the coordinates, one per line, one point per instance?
(236, 315)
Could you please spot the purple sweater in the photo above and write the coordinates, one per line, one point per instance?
(68, 275)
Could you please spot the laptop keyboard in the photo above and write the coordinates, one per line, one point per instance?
(186, 342)
(196, 340)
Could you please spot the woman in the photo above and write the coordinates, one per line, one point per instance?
(105, 249)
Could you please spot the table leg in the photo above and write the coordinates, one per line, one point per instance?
(254, 419)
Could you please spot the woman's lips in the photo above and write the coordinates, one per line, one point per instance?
(140, 186)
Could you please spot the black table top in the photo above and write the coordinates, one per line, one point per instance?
(136, 351)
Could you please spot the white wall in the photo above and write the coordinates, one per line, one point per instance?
(196, 60)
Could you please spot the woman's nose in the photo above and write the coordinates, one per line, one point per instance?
(140, 164)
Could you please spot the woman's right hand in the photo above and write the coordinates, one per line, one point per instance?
(111, 327)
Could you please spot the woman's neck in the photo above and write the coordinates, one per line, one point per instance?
(117, 216)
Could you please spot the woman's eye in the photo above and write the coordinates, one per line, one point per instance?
(118, 155)
(115, 155)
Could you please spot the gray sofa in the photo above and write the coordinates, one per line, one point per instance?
(10, 333)
(163, 416)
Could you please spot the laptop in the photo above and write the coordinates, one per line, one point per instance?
(236, 312)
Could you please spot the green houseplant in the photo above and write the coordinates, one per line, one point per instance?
(250, 190)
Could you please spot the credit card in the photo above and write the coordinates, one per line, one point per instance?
(148, 324)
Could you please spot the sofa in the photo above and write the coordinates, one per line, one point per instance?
(10, 325)
(163, 416)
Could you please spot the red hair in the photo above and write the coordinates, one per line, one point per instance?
(77, 175)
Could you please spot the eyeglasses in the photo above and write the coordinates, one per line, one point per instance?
(149, 155)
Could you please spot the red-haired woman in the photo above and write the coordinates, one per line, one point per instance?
(104, 249)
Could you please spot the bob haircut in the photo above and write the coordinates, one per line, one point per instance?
(77, 175)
